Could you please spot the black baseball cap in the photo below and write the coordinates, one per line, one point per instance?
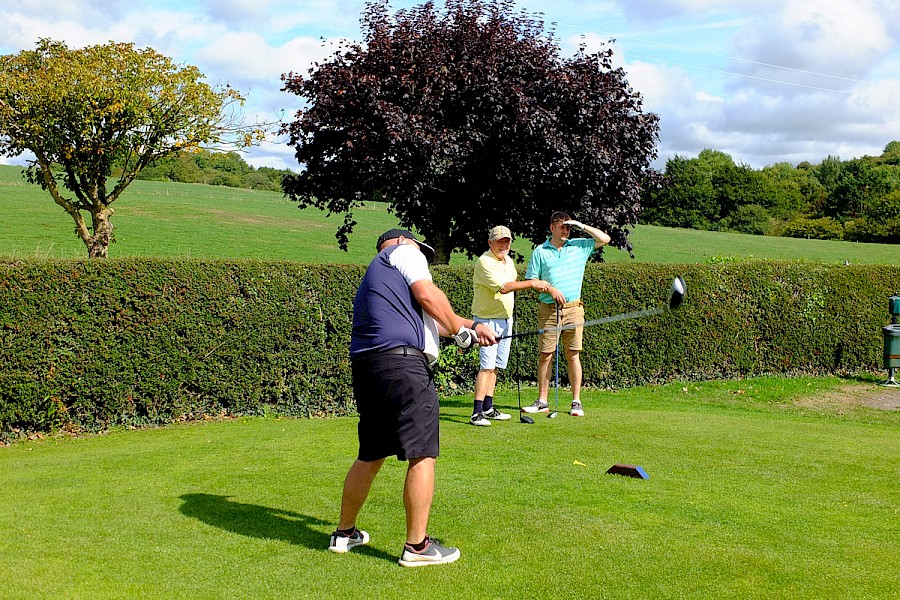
(427, 250)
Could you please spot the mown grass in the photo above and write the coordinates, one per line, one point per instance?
(757, 489)
(751, 495)
(192, 220)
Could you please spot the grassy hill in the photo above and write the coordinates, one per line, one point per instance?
(192, 220)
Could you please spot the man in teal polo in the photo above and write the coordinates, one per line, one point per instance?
(560, 261)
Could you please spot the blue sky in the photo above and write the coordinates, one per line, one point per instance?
(766, 81)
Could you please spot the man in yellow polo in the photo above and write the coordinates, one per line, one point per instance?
(494, 282)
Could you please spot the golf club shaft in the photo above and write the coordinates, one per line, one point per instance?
(558, 334)
(647, 312)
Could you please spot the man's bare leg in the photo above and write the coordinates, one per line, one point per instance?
(543, 374)
(418, 492)
(356, 489)
(573, 357)
(484, 383)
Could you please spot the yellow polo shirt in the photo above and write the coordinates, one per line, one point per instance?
(491, 274)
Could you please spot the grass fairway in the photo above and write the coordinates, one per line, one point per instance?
(751, 495)
(191, 220)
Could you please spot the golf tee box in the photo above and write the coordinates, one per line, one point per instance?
(628, 471)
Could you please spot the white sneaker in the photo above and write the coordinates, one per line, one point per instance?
(343, 543)
(479, 420)
(577, 410)
(539, 406)
(496, 415)
(435, 553)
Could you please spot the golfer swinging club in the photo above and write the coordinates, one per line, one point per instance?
(560, 261)
(398, 313)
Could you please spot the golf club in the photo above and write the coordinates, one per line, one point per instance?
(523, 418)
(677, 293)
(552, 415)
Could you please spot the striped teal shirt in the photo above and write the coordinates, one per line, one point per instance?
(562, 268)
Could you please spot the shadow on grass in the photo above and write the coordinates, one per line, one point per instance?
(864, 377)
(454, 403)
(263, 522)
(507, 404)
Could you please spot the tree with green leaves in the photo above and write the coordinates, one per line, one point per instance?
(85, 113)
(712, 192)
(466, 118)
(791, 190)
(696, 193)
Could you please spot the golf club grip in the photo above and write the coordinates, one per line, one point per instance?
(521, 334)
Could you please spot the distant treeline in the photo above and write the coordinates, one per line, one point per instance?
(855, 200)
(214, 168)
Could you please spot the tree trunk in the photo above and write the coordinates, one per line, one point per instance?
(438, 241)
(98, 243)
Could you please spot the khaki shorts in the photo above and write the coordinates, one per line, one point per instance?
(570, 339)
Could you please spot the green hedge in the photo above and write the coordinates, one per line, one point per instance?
(133, 342)
(89, 344)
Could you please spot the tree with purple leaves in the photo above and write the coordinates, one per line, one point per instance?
(466, 117)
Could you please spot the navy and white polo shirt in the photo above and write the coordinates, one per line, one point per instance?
(385, 313)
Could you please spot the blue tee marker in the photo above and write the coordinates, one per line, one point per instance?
(628, 471)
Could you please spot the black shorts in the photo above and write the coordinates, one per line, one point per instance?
(398, 407)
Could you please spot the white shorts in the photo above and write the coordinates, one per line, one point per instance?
(496, 356)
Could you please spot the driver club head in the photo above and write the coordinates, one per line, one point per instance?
(523, 418)
(677, 292)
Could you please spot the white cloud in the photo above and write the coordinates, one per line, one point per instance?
(704, 97)
(92, 11)
(274, 155)
(170, 32)
(593, 42)
(255, 68)
(328, 17)
(878, 98)
(838, 38)
(660, 84)
(237, 10)
(661, 11)
(21, 31)
(246, 56)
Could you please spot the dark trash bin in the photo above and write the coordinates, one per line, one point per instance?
(891, 346)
